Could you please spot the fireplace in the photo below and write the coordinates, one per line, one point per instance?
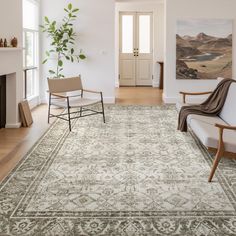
(11, 73)
(2, 101)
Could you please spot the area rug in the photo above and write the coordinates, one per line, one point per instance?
(134, 175)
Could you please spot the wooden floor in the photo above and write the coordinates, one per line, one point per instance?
(15, 143)
(138, 96)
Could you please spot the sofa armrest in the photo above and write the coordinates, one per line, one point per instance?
(193, 94)
(221, 147)
(229, 127)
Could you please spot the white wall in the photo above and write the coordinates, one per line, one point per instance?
(11, 19)
(185, 9)
(11, 62)
(157, 7)
(95, 26)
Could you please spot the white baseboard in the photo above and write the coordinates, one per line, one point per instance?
(155, 85)
(109, 100)
(13, 126)
(43, 101)
(169, 100)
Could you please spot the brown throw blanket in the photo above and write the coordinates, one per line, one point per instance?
(211, 107)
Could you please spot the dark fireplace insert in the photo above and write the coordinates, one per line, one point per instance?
(2, 101)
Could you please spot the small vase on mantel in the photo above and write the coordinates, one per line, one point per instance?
(1, 43)
(14, 42)
(5, 43)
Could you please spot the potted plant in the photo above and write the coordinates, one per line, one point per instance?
(63, 39)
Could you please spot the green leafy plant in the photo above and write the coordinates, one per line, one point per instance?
(63, 39)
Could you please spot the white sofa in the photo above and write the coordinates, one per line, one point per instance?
(217, 133)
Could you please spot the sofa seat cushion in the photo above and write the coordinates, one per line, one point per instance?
(211, 120)
(208, 134)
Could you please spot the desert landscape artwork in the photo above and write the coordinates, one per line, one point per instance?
(204, 49)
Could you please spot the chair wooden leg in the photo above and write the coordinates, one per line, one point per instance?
(215, 164)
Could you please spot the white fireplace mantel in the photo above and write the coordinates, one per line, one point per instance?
(12, 66)
(10, 49)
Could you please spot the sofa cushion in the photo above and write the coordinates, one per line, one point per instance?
(208, 134)
(228, 113)
(212, 120)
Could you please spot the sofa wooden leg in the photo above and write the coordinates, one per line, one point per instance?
(219, 155)
(215, 164)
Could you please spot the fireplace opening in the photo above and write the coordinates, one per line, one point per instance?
(3, 109)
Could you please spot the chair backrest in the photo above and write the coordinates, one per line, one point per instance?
(228, 113)
(65, 85)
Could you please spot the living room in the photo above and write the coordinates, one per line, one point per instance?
(93, 99)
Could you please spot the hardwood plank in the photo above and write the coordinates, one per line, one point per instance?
(138, 96)
(15, 143)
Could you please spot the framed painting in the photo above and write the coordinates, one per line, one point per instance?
(204, 49)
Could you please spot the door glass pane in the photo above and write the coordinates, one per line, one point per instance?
(29, 47)
(144, 34)
(127, 34)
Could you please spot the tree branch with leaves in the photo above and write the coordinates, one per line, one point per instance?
(63, 38)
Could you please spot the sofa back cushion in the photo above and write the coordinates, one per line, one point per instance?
(228, 113)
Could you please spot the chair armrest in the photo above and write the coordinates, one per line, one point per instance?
(225, 127)
(59, 95)
(193, 94)
(91, 91)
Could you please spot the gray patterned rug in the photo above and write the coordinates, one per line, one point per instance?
(135, 175)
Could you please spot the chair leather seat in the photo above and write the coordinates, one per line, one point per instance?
(75, 102)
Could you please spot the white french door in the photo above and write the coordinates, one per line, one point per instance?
(136, 49)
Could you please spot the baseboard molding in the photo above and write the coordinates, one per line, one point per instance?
(169, 100)
(13, 126)
(155, 85)
(109, 100)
